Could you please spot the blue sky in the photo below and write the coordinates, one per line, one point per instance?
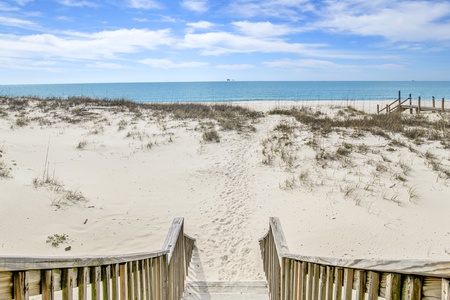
(70, 41)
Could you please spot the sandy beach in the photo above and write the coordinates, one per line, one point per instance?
(109, 179)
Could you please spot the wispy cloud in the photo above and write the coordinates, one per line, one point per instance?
(144, 4)
(23, 2)
(13, 22)
(75, 3)
(83, 46)
(407, 21)
(236, 67)
(107, 65)
(201, 25)
(284, 9)
(168, 64)
(327, 65)
(7, 7)
(199, 6)
(264, 29)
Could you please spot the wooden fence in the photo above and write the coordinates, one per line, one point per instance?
(300, 277)
(400, 105)
(153, 275)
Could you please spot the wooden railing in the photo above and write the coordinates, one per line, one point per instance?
(396, 105)
(153, 275)
(300, 277)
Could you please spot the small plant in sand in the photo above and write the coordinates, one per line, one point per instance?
(22, 121)
(5, 171)
(81, 145)
(211, 136)
(57, 239)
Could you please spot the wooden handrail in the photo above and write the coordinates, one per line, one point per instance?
(150, 275)
(292, 276)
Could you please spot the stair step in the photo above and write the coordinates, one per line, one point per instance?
(221, 290)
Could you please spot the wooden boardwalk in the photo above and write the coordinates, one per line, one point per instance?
(400, 105)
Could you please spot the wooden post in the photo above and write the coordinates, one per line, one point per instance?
(418, 107)
(434, 103)
(378, 108)
(399, 96)
(443, 109)
(387, 108)
(410, 103)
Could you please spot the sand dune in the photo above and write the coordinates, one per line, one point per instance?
(113, 178)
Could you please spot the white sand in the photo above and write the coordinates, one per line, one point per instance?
(223, 190)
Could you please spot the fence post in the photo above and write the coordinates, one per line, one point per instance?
(399, 95)
(434, 103)
(443, 109)
(378, 108)
(418, 107)
(410, 103)
(387, 108)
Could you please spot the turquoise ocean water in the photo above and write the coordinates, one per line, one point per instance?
(238, 91)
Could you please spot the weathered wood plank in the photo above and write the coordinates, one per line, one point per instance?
(445, 289)
(106, 282)
(18, 263)
(418, 267)
(412, 288)
(47, 286)
(96, 282)
(330, 283)
(83, 281)
(322, 283)
(393, 286)
(21, 285)
(67, 283)
(337, 294)
(115, 280)
(374, 285)
(123, 281)
(360, 284)
(130, 281)
(348, 284)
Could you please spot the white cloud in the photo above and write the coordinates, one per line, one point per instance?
(106, 65)
(13, 22)
(168, 64)
(407, 21)
(219, 43)
(77, 3)
(144, 4)
(263, 29)
(85, 46)
(199, 6)
(326, 65)
(23, 2)
(141, 20)
(285, 9)
(236, 67)
(201, 25)
(7, 7)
